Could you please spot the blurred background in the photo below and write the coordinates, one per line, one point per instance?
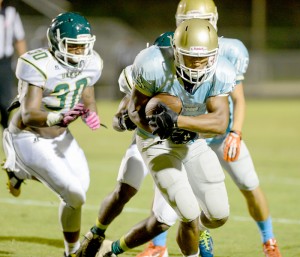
(269, 29)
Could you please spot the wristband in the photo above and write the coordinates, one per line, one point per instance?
(237, 132)
(53, 118)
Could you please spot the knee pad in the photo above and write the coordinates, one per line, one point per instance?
(75, 197)
(211, 224)
(187, 206)
(180, 197)
(250, 181)
(216, 203)
(132, 170)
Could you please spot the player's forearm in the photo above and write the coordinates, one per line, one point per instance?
(89, 100)
(34, 118)
(136, 112)
(239, 115)
(239, 107)
(206, 123)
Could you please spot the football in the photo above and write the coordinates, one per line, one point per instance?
(173, 102)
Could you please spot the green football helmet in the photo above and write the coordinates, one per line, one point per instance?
(195, 38)
(202, 9)
(164, 40)
(70, 29)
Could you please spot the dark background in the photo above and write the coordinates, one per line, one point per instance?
(235, 18)
(270, 29)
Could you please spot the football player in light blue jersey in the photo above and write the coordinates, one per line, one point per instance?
(132, 170)
(56, 86)
(229, 147)
(184, 168)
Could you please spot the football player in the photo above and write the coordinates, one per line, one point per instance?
(236, 52)
(55, 88)
(229, 147)
(202, 81)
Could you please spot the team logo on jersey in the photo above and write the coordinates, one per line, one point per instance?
(200, 107)
(71, 74)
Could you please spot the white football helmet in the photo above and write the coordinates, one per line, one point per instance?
(195, 38)
(202, 9)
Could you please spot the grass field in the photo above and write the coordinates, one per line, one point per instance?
(29, 224)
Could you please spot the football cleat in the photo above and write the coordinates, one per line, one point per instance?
(205, 245)
(154, 251)
(90, 245)
(13, 183)
(105, 249)
(271, 248)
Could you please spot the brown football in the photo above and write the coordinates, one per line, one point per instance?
(173, 102)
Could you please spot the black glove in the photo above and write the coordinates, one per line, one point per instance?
(163, 122)
(125, 122)
(182, 136)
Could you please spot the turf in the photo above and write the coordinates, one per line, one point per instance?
(29, 223)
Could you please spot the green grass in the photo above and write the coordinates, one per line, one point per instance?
(29, 224)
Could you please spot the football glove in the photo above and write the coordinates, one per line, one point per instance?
(232, 146)
(91, 119)
(182, 136)
(125, 122)
(163, 122)
(72, 114)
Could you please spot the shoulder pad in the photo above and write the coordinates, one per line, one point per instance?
(236, 52)
(31, 66)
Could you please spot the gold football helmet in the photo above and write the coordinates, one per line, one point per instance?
(202, 9)
(195, 46)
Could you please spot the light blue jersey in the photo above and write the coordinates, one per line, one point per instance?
(153, 72)
(236, 52)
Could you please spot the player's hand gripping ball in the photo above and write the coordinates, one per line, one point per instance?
(162, 111)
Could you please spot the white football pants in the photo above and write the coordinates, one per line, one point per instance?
(189, 176)
(58, 163)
